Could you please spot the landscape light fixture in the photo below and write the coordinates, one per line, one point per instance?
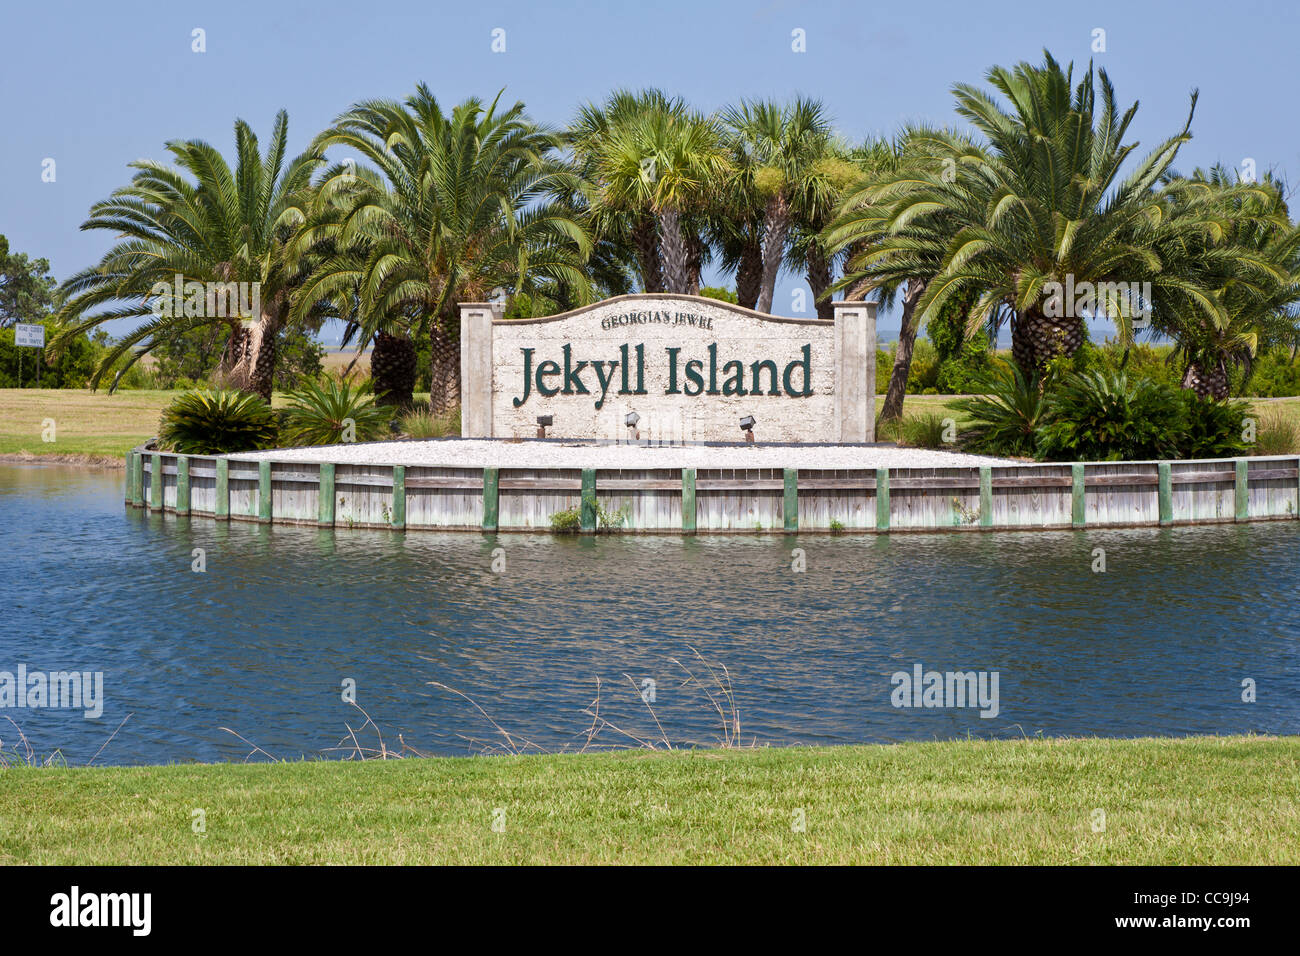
(632, 433)
(747, 426)
(542, 422)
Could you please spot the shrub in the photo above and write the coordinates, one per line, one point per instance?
(567, 521)
(920, 431)
(1102, 416)
(1212, 429)
(319, 415)
(421, 422)
(1275, 375)
(217, 422)
(1276, 433)
(1005, 418)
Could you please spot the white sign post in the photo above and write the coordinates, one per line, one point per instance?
(31, 337)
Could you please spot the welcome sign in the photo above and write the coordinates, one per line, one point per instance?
(689, 367)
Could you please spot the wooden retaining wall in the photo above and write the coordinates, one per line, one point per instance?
(718, 500)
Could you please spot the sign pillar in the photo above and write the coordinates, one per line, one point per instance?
(476, 370)
(855, 371)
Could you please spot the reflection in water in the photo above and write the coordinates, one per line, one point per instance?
(263, 641)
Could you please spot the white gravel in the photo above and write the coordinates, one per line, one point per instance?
(479, 453)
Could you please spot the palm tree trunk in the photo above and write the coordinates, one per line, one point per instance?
(819, 279)
(255, 371)
(444, 361)
(675, 254)
(1207, 383)
(694, 261)
(775, 226)
(749, 274)
(1036, 339)
(392, 369)
(646, 239)
(893, 407)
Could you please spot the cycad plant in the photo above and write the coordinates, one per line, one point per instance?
(332, 412)
(1103, 416)
(214, 422)
(1006, 416)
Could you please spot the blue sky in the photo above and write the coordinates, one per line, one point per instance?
(95, 86)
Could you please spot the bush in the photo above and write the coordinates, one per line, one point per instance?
(1275, 375)
(1276, 433)
(1102, 416)
(217, 422)
(1212, 429)
(421, 422)
(918, 431)
(568, 521)
(320, 415)
(1005, 417)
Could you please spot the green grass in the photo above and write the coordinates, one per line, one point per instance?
(1213, 800)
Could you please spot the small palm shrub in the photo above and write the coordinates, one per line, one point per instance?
(1276, 433)
(918, 431)
(1102, 416)
(1213, 429)
(420, 422)
(333, 412)
(216, 422)
(1005, 418)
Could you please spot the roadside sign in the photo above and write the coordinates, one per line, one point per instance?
(30, 336)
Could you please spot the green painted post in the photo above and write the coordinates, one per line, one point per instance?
(882, 499)
(130, 474)
(1078, 511)
(183, 485)
(588, 500)
(491, 498)
(986, 496)
(325, 496)
(264, 491)
(155, 484)
(1166, 492)
(791, 507)
(399, 498)
(1242, 511)
(221, 506)
(137, 480)
(688, 500)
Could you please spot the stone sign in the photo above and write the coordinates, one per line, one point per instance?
(690, 368)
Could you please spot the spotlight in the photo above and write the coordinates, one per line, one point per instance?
(633, 434)
(747, 426)
(542, 422)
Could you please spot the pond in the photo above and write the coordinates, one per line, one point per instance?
(283, 621)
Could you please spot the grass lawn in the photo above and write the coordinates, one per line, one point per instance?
(1213, 800)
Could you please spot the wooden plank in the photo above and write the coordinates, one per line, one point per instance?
(688, 500)
(1033, 481)
(882, 499)
(541, 484)
(790, 507)
(740, 484)
(127, 497)
(398, 511)
(1078, 501)
(865, 483)
(1165, 492)
(491, 498)
(264, 491)
(636, 484)
(221, 505)
(1242, 497)
(449, 482)
(325, 496)
(588, 507)
(1110, 481)
(156, 483)
(137, 480)
(183, 485)
(986, 496)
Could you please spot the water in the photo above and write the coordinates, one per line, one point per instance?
(262, 642)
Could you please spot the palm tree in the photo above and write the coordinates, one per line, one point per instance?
(665, 161)
(455, 207)
(1251, 260)
(224, 226)
(785, 144)
(887, 252)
